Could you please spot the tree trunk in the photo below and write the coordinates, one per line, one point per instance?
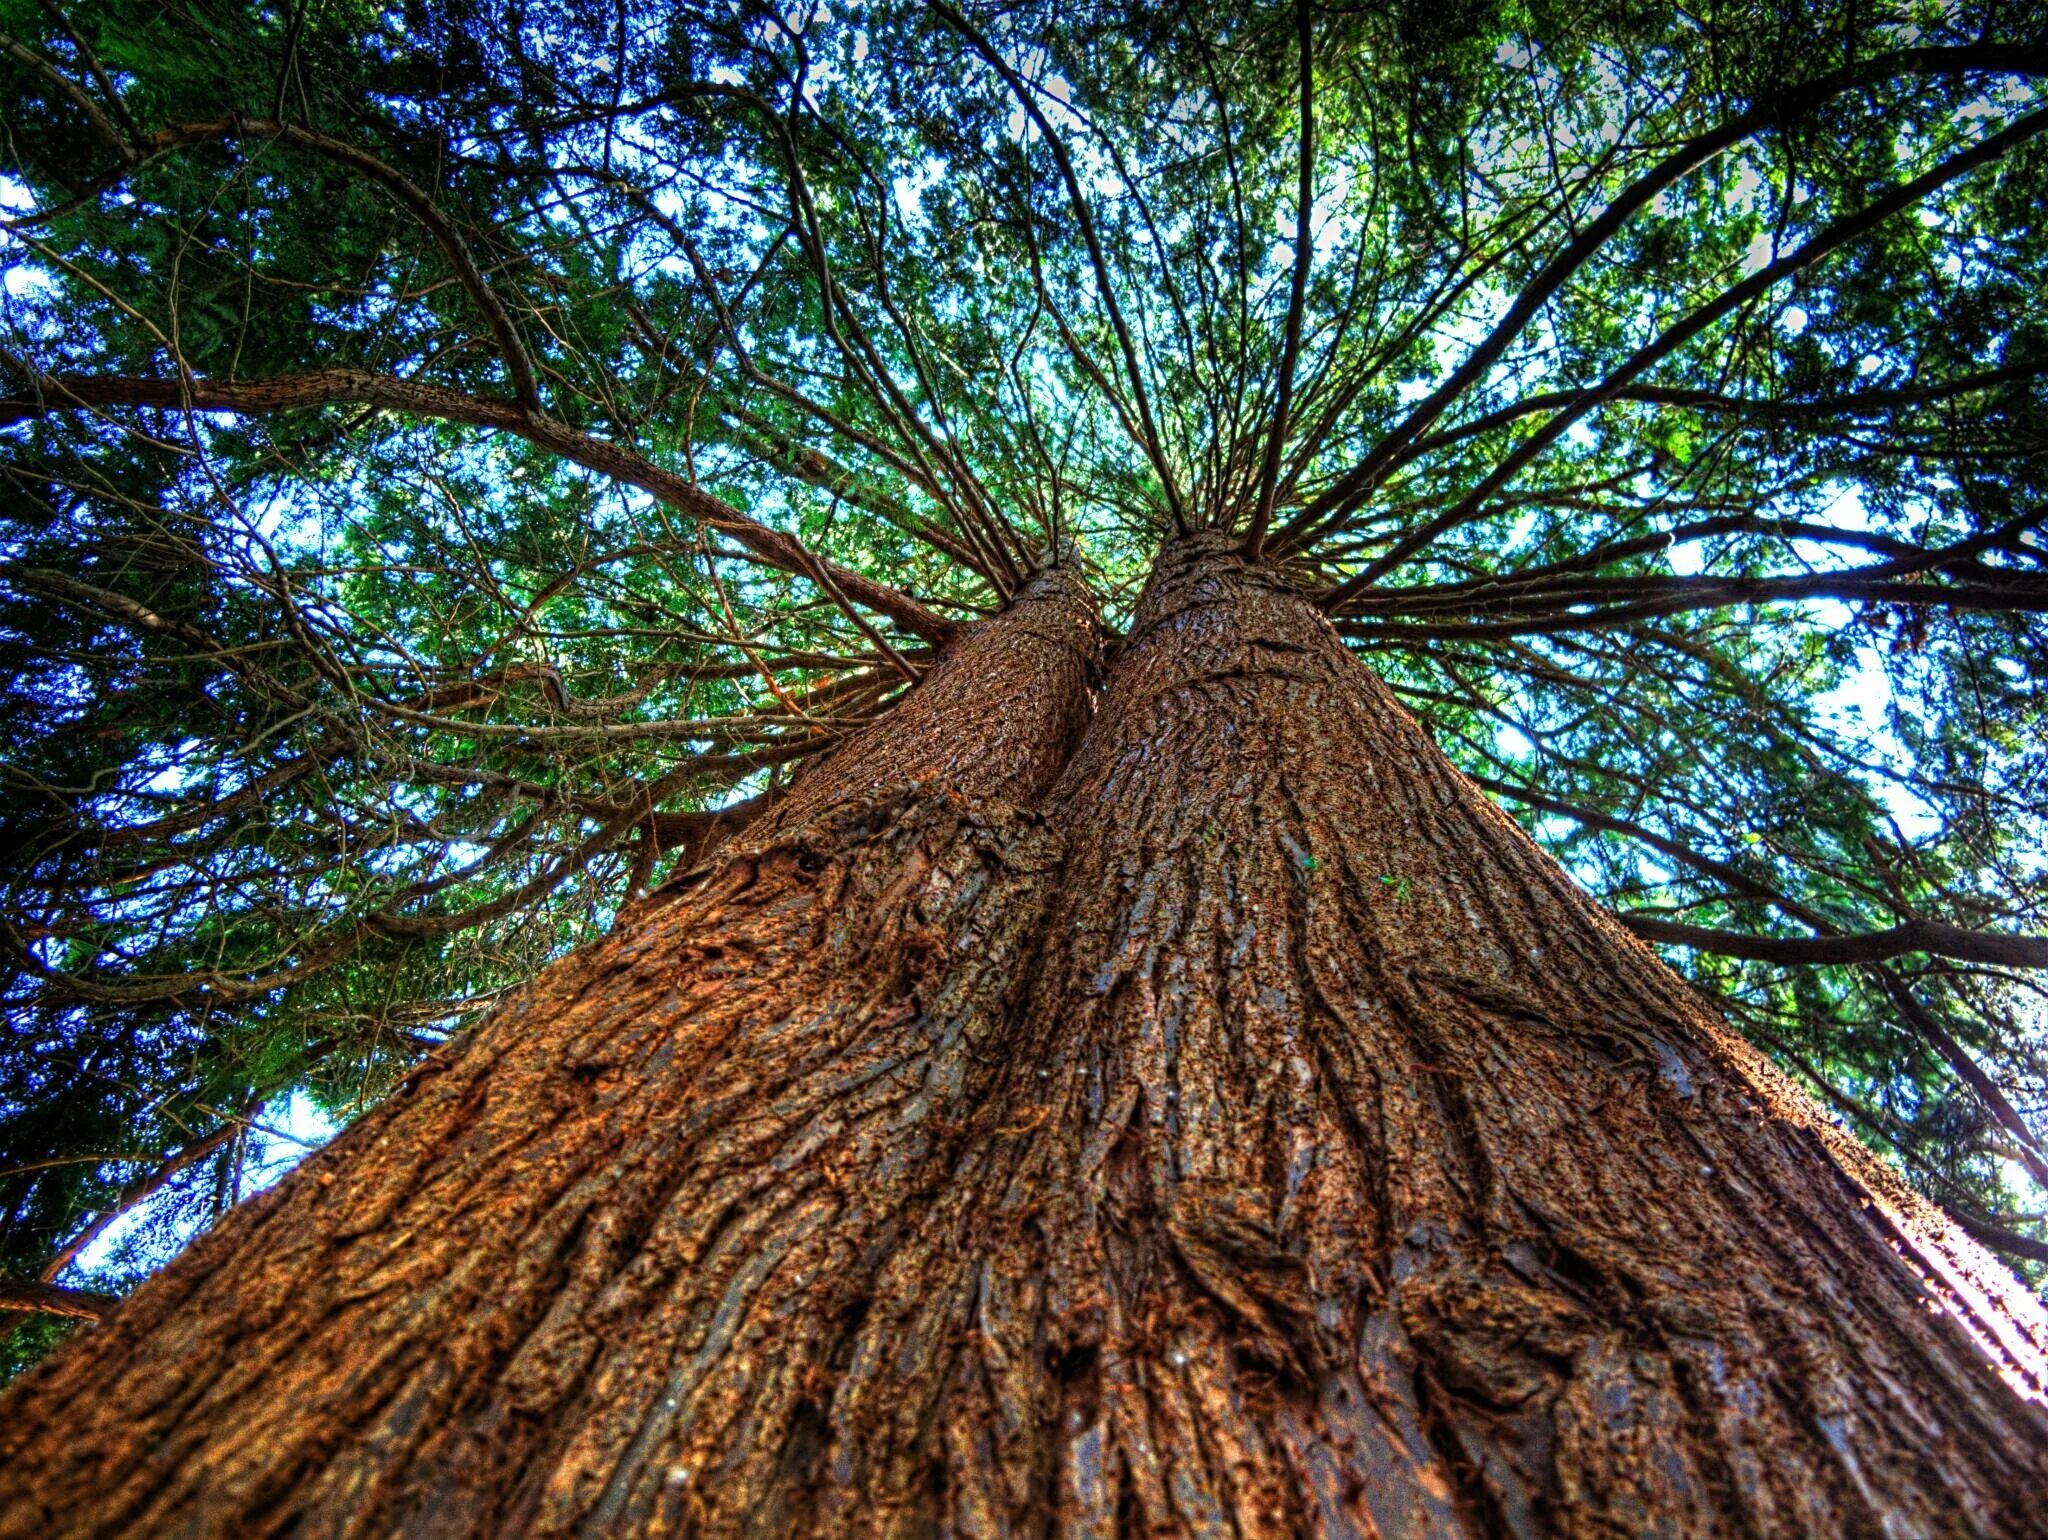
(1357, 1175)
(1346, 1171)
(600, 1269)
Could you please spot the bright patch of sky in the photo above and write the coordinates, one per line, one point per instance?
(1513, 742)
(24, 277)
(908, 188)
(1054, 93)
(281, 1134)
(1859, 706)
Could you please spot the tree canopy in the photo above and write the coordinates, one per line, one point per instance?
(462, 459)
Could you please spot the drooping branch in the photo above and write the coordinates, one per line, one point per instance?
(1998, 1237)
(1730, 876)
(331, 387)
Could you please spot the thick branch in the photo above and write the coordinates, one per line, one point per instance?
(1998, 1237)
(1933, 937)
(31, 1298)
(72, 93)
(332, 387)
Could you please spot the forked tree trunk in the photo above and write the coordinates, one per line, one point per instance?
(1356, 1175)
(1346, 1171)
(612, 1255)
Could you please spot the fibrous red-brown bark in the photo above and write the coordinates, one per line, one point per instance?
(1305, 1154)
(1356, 1175)
(598, 1272)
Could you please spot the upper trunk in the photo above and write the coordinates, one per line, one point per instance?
(609, 1255)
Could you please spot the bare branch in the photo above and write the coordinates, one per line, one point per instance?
(1304, 249)
(1934, 937)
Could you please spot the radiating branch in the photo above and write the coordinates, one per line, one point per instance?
(330, 387)
(1932, 937)
(1356, 484)
(1835, 236)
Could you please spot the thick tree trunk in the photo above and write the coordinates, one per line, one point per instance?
(599, 1271)
(1356, 1175)
(1346, 1171)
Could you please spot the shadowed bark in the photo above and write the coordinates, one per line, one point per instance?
(1357, 1175)
(599, 1270)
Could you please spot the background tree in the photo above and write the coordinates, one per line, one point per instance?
(463, 460)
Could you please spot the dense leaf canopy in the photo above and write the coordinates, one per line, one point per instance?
(462, 458)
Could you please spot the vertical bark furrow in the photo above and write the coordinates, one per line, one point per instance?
(1378, 1183)
(601, 1270)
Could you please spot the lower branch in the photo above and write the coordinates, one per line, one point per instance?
(25, 1297)
(335, 387)
(1933, 937)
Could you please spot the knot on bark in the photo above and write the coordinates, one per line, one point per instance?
(1226, 1238)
